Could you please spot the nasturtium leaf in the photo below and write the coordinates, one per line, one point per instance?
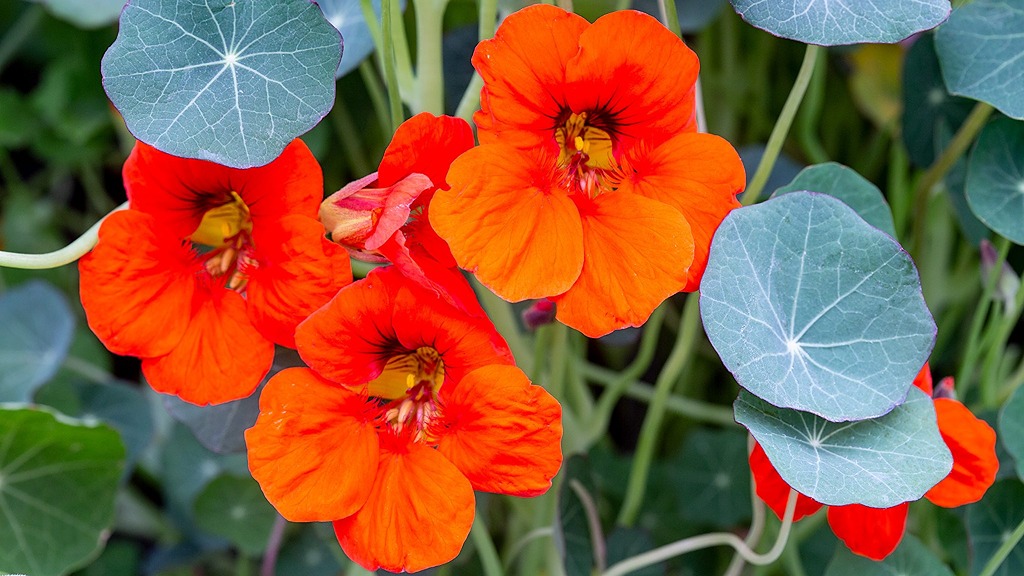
(347, 17)
(995, 178)
(990, 522)
(36, 334)
(694, 15)
(624, 543)
(956, 190)
(911, 558)
(981, 50)
(812, 308)
(1011, 429)
(85, 13)
(309, 554)
(222, 80)
(835, 22)
(712, 478)
(234, 507)
(219, 428)
(572, 535)
(58, 479)
(847, 185)
(121, 406)
(926, 103)
(880, 462)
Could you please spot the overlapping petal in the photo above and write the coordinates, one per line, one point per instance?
(870, 532)
(973, 444)
(425, 144)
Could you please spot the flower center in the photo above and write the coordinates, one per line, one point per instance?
(224, 237)
(411, 382)
(585, 153)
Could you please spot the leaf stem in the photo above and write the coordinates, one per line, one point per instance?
(757, 521)
(650, 431)
(669, 17)
(1003, 551)
(782, 125)
(429, 60)
(485, 547)
(971, 349)
(269, 565)
(707, 541)
(378, 95)
(65, 255)
(390, 73)
(348, 137)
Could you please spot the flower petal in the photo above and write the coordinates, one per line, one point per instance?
(973, 444)
(425, 144)
(637, 252)
(418, 513)
(221, 357)
(697, 174)
(870, 532)
(773, 490)
(509, 224)
(923, 380)
(502, 432)
(313, 448)
(137, 286)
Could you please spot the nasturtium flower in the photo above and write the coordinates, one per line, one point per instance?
(209, 268)
(409, 405)
(591, 186)
(876, 532)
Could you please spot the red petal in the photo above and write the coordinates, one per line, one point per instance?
(870, 532)
(313, 448)
(502, 432)
(773, 490)
(418, 513)
(425, 144)
(923, 380)
(973, 444)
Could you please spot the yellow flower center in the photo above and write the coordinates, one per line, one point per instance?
(225, 237)
(585, 153)
(411, 381)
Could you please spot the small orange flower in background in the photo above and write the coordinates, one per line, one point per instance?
(876, 532)
(409, 406)
(209, 268)
(591, 186)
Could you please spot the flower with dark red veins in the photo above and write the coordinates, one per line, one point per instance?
(209, 268)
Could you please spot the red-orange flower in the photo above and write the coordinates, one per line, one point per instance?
(409, 406)
(591, 186)
(210, 267)
(876, 532)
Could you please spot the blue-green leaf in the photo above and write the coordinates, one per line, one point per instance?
(991, 521)
(36, 334)
(712, 478)
(347, 17)
(58, 479)
(1011, 429)
(835, 22)
(845, 184)
(911, 558)
(222, 80)
(880, 462)
(234, 507)
(572, 536)
(812, 308)
(995, 178)
(85, 13)
(981, 50)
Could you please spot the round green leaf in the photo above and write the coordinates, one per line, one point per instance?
(58, 478)
(219, 428)
(981, 50)
(123, 407)
(995, 178)
(234, 507)
(308, 554)
(222, 80)
(835, 22)
(845, 184)
(1011, 429)
(624, 543)
(37, 331)
(880, 462)
(812, 308)
(572, 536)
(712, 478)
(911, 558)
(85, 13)
(990, 522)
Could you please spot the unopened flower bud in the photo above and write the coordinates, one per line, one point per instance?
(540, 313)
(1008, 282)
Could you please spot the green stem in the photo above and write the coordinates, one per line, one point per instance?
(971, 349)
(1003, 551)
(504, 319)
(541, 347)
(781, 129)
(348, 137)
(390, 72)
(808, 120)
(97, 196)
(429, 60)
(997, 350)
(651, 429)
(19, 32)
(485, 547)
(757, 522)
(488, 18)
(961, 141)
(65, 255)
(470, 101)
(707, 541)
(667, 9)
(378, 94)
(535, 534)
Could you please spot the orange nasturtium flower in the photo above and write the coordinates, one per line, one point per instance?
(876, 532)
(591, 185)
(209, 268)
(409, 406)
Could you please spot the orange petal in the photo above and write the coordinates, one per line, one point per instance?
(524, 69)
(313, 448)
(636, 73)
(137, 286)
(425, 144)
(973, 444)
(697, 174)
(773, 490)
(297, 272)
(418, 514)
(502, 432)
(637, 252)
(507, 222)
(923, 380)
(870, 532)
(221, 357)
